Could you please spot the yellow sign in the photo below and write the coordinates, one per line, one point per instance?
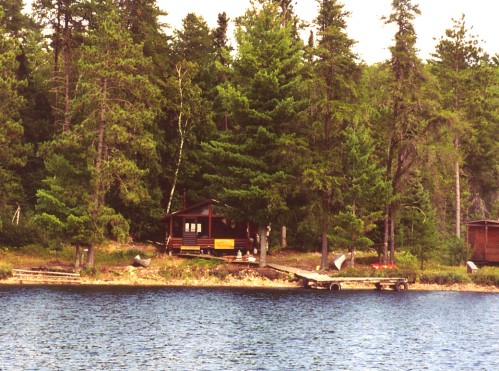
(224, 244)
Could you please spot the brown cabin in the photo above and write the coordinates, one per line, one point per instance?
(199, 228)
(483, 236)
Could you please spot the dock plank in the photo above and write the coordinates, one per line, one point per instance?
(26, 276)
(322, 279)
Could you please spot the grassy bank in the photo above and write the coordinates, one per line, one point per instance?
(113, 266)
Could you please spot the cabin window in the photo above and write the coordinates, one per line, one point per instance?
(193, 227)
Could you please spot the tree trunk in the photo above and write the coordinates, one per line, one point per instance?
(458, 191)
(182, 128)
(352, 257)
(90, 257)
(97, 198)
(386, 235)
(324, 246)
(392, 235)
(175, 176)
(263, 245)
(67, 72)
(283, 237)
(57, 49)
(78, 257)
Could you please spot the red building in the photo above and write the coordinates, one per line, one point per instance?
(483, 237)
(200, 228)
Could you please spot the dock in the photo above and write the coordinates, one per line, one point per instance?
(322, 281)
(37, 276)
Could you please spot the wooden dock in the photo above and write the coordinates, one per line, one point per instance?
(316, 280)
(33, 276)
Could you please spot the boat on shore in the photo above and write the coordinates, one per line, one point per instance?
(138, 262)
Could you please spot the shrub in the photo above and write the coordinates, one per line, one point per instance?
(183, 272)
(5, 271)
(20, 235)
(206, 263)
(444, 278)
(486, 276)
(90, 272)
(221, 272)
(455, 252)
(406, 260)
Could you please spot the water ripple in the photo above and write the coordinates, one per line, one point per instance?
(78, 328)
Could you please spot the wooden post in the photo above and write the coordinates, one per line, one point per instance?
(90, 257)
(77, 262)
(263, 245)
(283, 237)
(210, 213)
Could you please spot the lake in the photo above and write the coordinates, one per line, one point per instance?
(130, 328)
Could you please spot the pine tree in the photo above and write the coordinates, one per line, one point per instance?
(65, 19)
(333, 108)
(419, 228)
(222, 70)
(457, 64)
(12, 150)
(364, 192)
(251, 161)
(113, 111)
(406, 123)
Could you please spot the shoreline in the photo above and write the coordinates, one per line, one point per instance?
(257, 283)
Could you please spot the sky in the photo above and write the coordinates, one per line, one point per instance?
(364, 24)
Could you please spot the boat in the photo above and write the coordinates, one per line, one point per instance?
(338, 261)
(138, 262)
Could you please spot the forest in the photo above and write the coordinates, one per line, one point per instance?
(109, 118)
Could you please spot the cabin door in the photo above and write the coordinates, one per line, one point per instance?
(190, 232)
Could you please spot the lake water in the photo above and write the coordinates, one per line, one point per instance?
(89, 328)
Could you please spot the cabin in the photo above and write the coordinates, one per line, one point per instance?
(200, 228)
(483, 237)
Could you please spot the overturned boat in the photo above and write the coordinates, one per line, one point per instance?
(138, 262)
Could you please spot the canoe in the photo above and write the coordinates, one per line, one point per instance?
(137, 261)
(338, 261)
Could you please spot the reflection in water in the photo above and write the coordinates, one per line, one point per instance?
(45, 328)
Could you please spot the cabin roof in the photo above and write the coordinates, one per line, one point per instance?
(482, 223)
(189, 209)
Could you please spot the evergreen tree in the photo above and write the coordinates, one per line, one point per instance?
(333, 108)
(188, 110)
(32, 74)
(194, 43)
(364, 192)
(222, 70)
(458, 66)
(65, 19)
(12, 150)
(113, 111)
(406, 121)
(418, 232)
(251, 162)
(142, 20)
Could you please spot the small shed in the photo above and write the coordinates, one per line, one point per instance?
(200, 228)
(483, 237)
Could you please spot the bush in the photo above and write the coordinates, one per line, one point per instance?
(456, 252)
(486, 276)
(206, 263)
(90, 272)
(20, 235)
(444, 278)
(410, 274)
(183, 272)
(406, 260)
(5, 271)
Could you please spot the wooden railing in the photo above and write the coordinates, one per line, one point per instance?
(31, 276)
